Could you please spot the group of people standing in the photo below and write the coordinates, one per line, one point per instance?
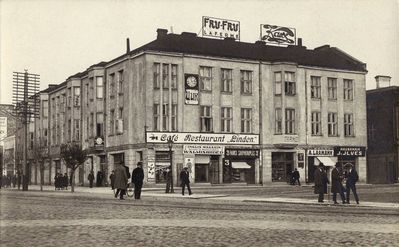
(343, 180)
(120, 180)
(10, 181)
(99, 179)
(61, 182)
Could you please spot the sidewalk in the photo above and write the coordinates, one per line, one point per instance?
(159, 192)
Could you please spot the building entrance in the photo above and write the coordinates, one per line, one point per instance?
(282, 166)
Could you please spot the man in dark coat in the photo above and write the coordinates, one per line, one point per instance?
(137, 180)
(91, 179)
(320, 182)
(352, 178)
(295, 177)
(185, 180)
(112, 178)
(336, 183)
(99, 179)
(121, 181)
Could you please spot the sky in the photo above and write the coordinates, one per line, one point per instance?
(57, 39)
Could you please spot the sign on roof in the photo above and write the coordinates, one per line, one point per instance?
(220, 28)
(277, 35)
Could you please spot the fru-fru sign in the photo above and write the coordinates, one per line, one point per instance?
(220, 28)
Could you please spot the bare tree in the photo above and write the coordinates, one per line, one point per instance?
(40, 154)
(73, 156)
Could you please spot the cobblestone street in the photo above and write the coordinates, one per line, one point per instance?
(88, 219)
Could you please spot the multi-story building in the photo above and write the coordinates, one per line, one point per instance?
(230, 111)
(383, 132)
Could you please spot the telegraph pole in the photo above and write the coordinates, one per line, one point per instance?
(26, 100)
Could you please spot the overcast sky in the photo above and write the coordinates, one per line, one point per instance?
(57, 39)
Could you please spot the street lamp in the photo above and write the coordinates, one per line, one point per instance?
(170, 145)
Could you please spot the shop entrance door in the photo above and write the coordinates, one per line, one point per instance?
(214, 170)
(282, 166)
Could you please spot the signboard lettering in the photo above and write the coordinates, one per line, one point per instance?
(277, 35)
(203, 149)
(350, 151)
(191, 89)
(320, 152)
(220, 28)
(249, 153)
(200, 138)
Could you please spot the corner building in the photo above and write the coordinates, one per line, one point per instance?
(257, 113)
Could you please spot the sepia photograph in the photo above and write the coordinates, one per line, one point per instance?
(199, 123)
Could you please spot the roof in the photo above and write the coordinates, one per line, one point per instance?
(189, 43)
(383, 89)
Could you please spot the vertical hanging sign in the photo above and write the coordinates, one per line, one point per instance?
(191, 89)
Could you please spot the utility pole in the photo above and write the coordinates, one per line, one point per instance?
(26, 100)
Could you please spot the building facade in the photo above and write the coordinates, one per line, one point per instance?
(232, 112)
(383, 133)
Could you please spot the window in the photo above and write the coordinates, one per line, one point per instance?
(205, 78)
(99, 124)
(69, 103)
(165, 75)
(246, 120)
(112, 85)
(87, 94)
(348, 124)
(348, 89)
(76, 96)
(156, 71)
(112, 122)
(332, 124)
(289, 83)
(174, 117)
(277, 83)
(332, 88)
(315, 87)
(120, 81)
(278, 128)
(226, 119)
(316, 123)
(91, 92)
(45, 108)
(290, 121)
(119, 123)
(174, 76)
(87, 128)
(206, 119)
(100, 87)
(227, 78)
(31, 139)
(69, 130)
(77, 129)
(246, 82)
(156, 117)
(165, 117)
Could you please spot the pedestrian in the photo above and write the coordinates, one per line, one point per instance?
(185, 180)
(336, 183)
(14, 181)
(66, 181)
(99, 179)
(91, 179)
(19, 179)
(295, 177)
(137, 179)
(121, 180)
(112, 179)
(168, 179)
(351, 180)
(320, 182)
(56, 181)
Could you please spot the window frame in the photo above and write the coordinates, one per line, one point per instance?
(278, 123)
(278, 83)
(315, 87)
(290, 123)
(246, 81)
(316, 125)
(226, 119)
(332, 88)
(289, 85)
(246, 120)
(348, 89)
(348, 125)
(203, 77)
(332, 124)
(206, 119)
(227, 80)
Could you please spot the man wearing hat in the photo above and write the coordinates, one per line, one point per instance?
(185, 180)
(352, 178)
(336, 183)
(320, 182)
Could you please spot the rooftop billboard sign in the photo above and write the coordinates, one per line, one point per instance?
(272, 34)
(220, 28)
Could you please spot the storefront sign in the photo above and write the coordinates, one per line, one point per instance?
(291, 138)
(242, 153)
(203, 149)
(320, 152)
(350, 151)
(202, 138)
(220, 28)
(277, 35)
(191, 89)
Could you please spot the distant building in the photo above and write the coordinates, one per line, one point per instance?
(383, 132)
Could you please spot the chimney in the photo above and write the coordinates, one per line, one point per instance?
(161, 32)
(299, 41)
(383, 81)
(127, 45)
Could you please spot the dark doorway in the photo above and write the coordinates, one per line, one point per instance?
(282, 166)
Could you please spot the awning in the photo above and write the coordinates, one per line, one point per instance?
(327, 161)
(240, 165)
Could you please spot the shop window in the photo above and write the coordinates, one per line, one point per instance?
(246, 82)
(227, 80)
(162, 161)
(315, 87)
(206, 119)
(205, 78)
(332, 88)
(289, 83)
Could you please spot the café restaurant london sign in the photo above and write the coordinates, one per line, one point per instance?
(202, 138)
(277, 35)
(350, 151)
(220, 28)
